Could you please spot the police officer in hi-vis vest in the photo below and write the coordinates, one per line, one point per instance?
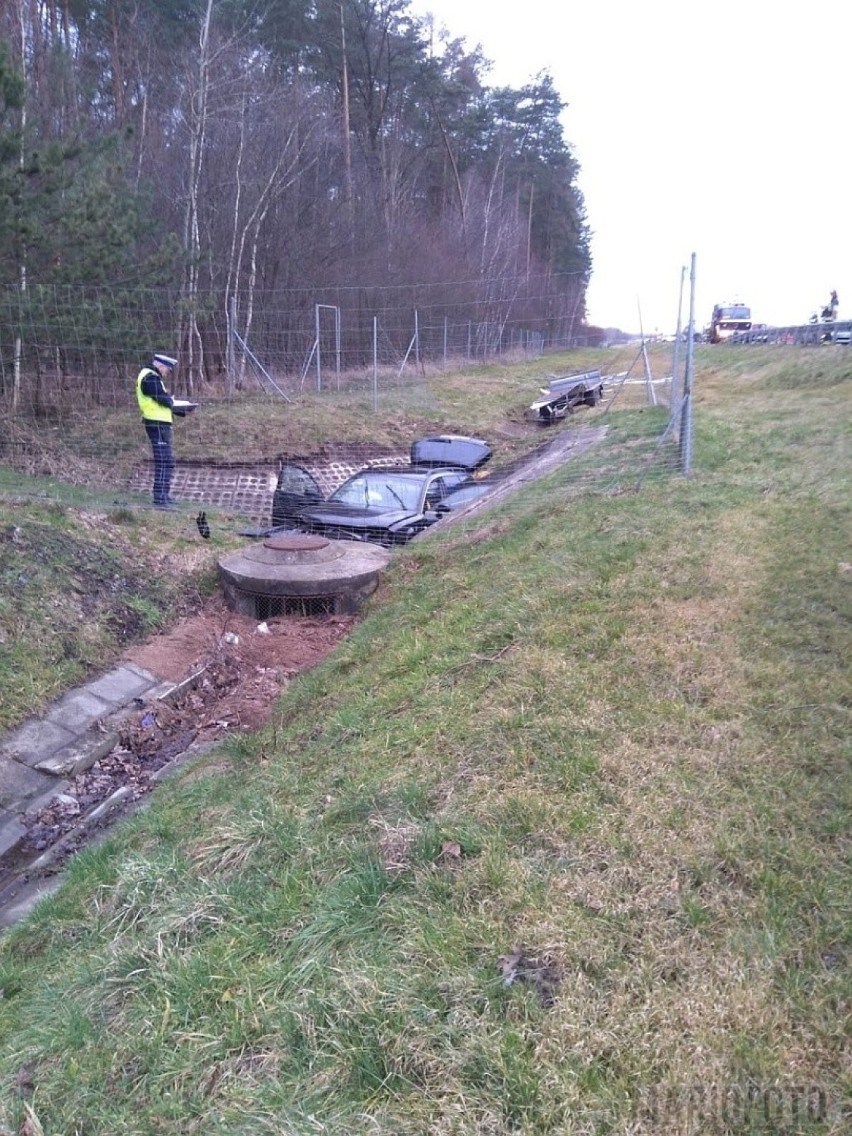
(157, 407)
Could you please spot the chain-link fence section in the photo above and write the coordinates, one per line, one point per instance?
(328, 382)
(70, 339)
(610, 437)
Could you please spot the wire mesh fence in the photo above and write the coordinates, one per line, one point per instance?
(318, 378)
(230, 453)
(86, 341)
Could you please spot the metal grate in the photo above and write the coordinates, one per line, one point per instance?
(273, 607)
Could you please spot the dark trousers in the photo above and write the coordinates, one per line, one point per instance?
(160, 435)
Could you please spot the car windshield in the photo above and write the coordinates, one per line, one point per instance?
(379, 489)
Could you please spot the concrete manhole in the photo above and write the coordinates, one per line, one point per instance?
(298, 574)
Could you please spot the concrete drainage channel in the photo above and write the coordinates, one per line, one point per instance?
(32, 853)
(87, 735)
(103, 748)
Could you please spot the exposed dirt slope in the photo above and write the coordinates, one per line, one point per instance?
(248, 662)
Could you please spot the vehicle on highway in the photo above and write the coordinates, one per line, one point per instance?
(727, 320)
(386, 505)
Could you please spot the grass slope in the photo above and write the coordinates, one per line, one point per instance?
(556, 842)
(77, 584)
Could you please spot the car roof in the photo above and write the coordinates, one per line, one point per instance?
(407, 470)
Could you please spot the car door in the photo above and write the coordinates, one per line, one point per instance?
(441, 486)
(295, 491)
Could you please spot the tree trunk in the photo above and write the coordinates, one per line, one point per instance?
(192, 236)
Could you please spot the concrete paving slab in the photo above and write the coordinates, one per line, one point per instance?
(23, 901)
(163, 690)
(73, 735)
(39, 757)
(121, 685)
(19, 784)
(12, 832)
(78, 710)
(34, 741)
(138, 670)
(80, 755)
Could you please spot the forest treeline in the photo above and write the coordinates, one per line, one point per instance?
(195, 173)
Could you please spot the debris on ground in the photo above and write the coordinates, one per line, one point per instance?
(537, 972)
(228, 671)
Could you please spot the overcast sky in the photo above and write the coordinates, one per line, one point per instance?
(719, 130)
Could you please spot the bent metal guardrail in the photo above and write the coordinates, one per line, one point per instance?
(840, 331)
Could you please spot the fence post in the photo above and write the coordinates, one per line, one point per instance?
(317, 328)
(375, 364)
(686, 414)
(336, 309)
(675, 394)
(337, 347)
(230, 356)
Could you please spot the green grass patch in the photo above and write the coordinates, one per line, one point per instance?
(76, 586)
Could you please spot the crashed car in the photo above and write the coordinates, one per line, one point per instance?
(385, 505)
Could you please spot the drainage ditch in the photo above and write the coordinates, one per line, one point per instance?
(232, 687)
(153, 741)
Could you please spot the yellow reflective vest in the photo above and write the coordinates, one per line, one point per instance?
(150, 409)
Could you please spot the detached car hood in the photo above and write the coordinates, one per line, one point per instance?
(450, 450)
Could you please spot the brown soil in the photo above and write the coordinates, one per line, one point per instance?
(236, 669)
(245, 663)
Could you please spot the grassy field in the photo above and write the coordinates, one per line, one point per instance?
(557, 842)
